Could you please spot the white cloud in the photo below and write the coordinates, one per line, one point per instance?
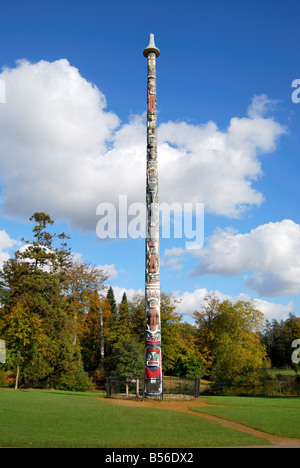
(260, 105)
(275, 311)
(173, 258)
(109, 270)
(6, 243)
(54, 128)
(175, 251)
(192, 301)
(77, 257)
(270, 252)
(62, 152)
(200, 163)
(130, 293)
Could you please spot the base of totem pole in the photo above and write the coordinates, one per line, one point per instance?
(153, 388)
(172, 388)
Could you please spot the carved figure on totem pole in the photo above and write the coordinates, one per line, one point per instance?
(153, 370)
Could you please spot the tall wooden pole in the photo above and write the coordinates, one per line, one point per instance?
(153, 369)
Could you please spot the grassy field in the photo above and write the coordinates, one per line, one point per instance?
(279, 416)
(275, 371)
(36, 418)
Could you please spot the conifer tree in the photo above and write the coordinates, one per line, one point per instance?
(112, 302)
(36, 277)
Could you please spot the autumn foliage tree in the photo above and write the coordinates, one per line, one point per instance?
(63, 328)
(278, 338)
(36, 311)
(24, 337)
(231, 333)
(85, 287)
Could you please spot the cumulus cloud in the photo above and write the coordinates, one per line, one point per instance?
(6, 243)
(109, 270)
(191, 301)
(260, 105)
(270, 252)
(194, 300)
(130, 293)
(275, 311)
(54, 129)
(205, 164)
(63, 152)
(173, 258)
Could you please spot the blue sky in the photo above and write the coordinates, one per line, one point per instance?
(73, 136)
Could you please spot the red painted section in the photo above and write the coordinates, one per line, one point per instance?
(152, 374)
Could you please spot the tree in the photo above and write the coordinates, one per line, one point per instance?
(36, 277)
(94, 335)
(24, 337)
(137, 317)
(119, 329)
(278, 338)
(41, 252)
(190, 362)
(231, 333)
(179, 356)
(84, 285)
(129, 359)
(273, 338)
(170, 332)
(124, 298)
(122, 321)
(112, 302)
(205, 335)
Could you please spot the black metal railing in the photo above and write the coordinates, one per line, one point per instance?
(134, 387)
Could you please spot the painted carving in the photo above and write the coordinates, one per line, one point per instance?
(153, 356)
(151, 116)
(153, 319)
(151, 102)
(153, 338)
(152, 263)
(153, 373)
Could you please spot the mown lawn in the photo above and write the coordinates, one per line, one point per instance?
(279, 416)
(36, 418)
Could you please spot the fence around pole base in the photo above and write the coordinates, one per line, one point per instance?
(153, 388)
(169, 388)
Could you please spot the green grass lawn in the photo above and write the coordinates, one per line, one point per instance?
(279, 416)
(36, 418)
(274, 371)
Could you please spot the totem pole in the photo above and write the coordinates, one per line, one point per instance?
(153, 372)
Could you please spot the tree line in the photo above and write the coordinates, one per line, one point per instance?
(63, 328)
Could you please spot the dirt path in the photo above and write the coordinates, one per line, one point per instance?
(183, 406)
